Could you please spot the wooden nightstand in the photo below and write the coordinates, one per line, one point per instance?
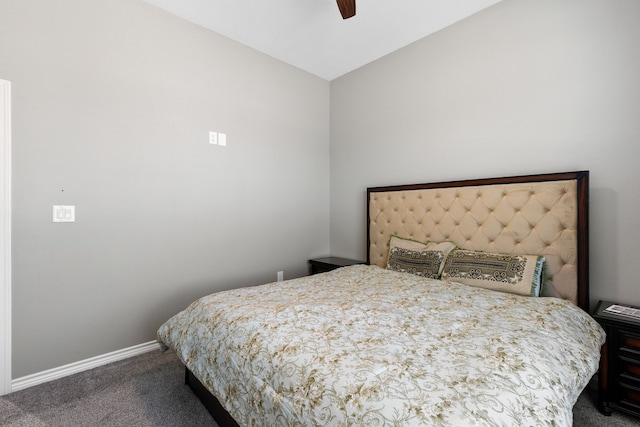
(321, 265)
(619, 375)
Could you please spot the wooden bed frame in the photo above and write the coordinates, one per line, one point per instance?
(573, 271)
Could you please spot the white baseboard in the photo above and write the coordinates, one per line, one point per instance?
(83, 365)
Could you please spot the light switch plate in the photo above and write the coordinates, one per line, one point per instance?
(213, 138)
(64, 213)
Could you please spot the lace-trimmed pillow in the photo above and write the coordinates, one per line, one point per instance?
(421, 259)
(516, 274)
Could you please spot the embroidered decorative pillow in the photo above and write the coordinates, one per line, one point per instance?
(421, 259)
(445, 248)
(516, 274)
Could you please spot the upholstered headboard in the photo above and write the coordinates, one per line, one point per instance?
(525, 215)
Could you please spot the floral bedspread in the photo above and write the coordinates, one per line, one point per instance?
(364, 346)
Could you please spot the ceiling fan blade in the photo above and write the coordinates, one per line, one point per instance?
(347, 8)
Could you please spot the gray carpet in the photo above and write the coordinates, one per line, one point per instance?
(149, 390)
(146, 390)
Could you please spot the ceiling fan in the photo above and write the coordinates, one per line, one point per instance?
(347, 8)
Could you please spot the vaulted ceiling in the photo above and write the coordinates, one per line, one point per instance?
(311, 34)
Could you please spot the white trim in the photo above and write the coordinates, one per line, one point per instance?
(83, 365)
(5, 237)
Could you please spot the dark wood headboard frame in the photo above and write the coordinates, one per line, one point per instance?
(582, 180)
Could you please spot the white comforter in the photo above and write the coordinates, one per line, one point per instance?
(366, 346)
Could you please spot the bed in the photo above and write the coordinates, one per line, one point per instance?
(423, 333)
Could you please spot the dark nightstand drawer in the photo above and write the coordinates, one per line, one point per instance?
(630, 368)
(629, 359)
(629, 398)
(322, 265)
(629, 343)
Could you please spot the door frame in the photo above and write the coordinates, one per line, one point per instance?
(5, 237)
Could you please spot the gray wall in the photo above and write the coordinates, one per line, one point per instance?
(526, 86)
(112, 105)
